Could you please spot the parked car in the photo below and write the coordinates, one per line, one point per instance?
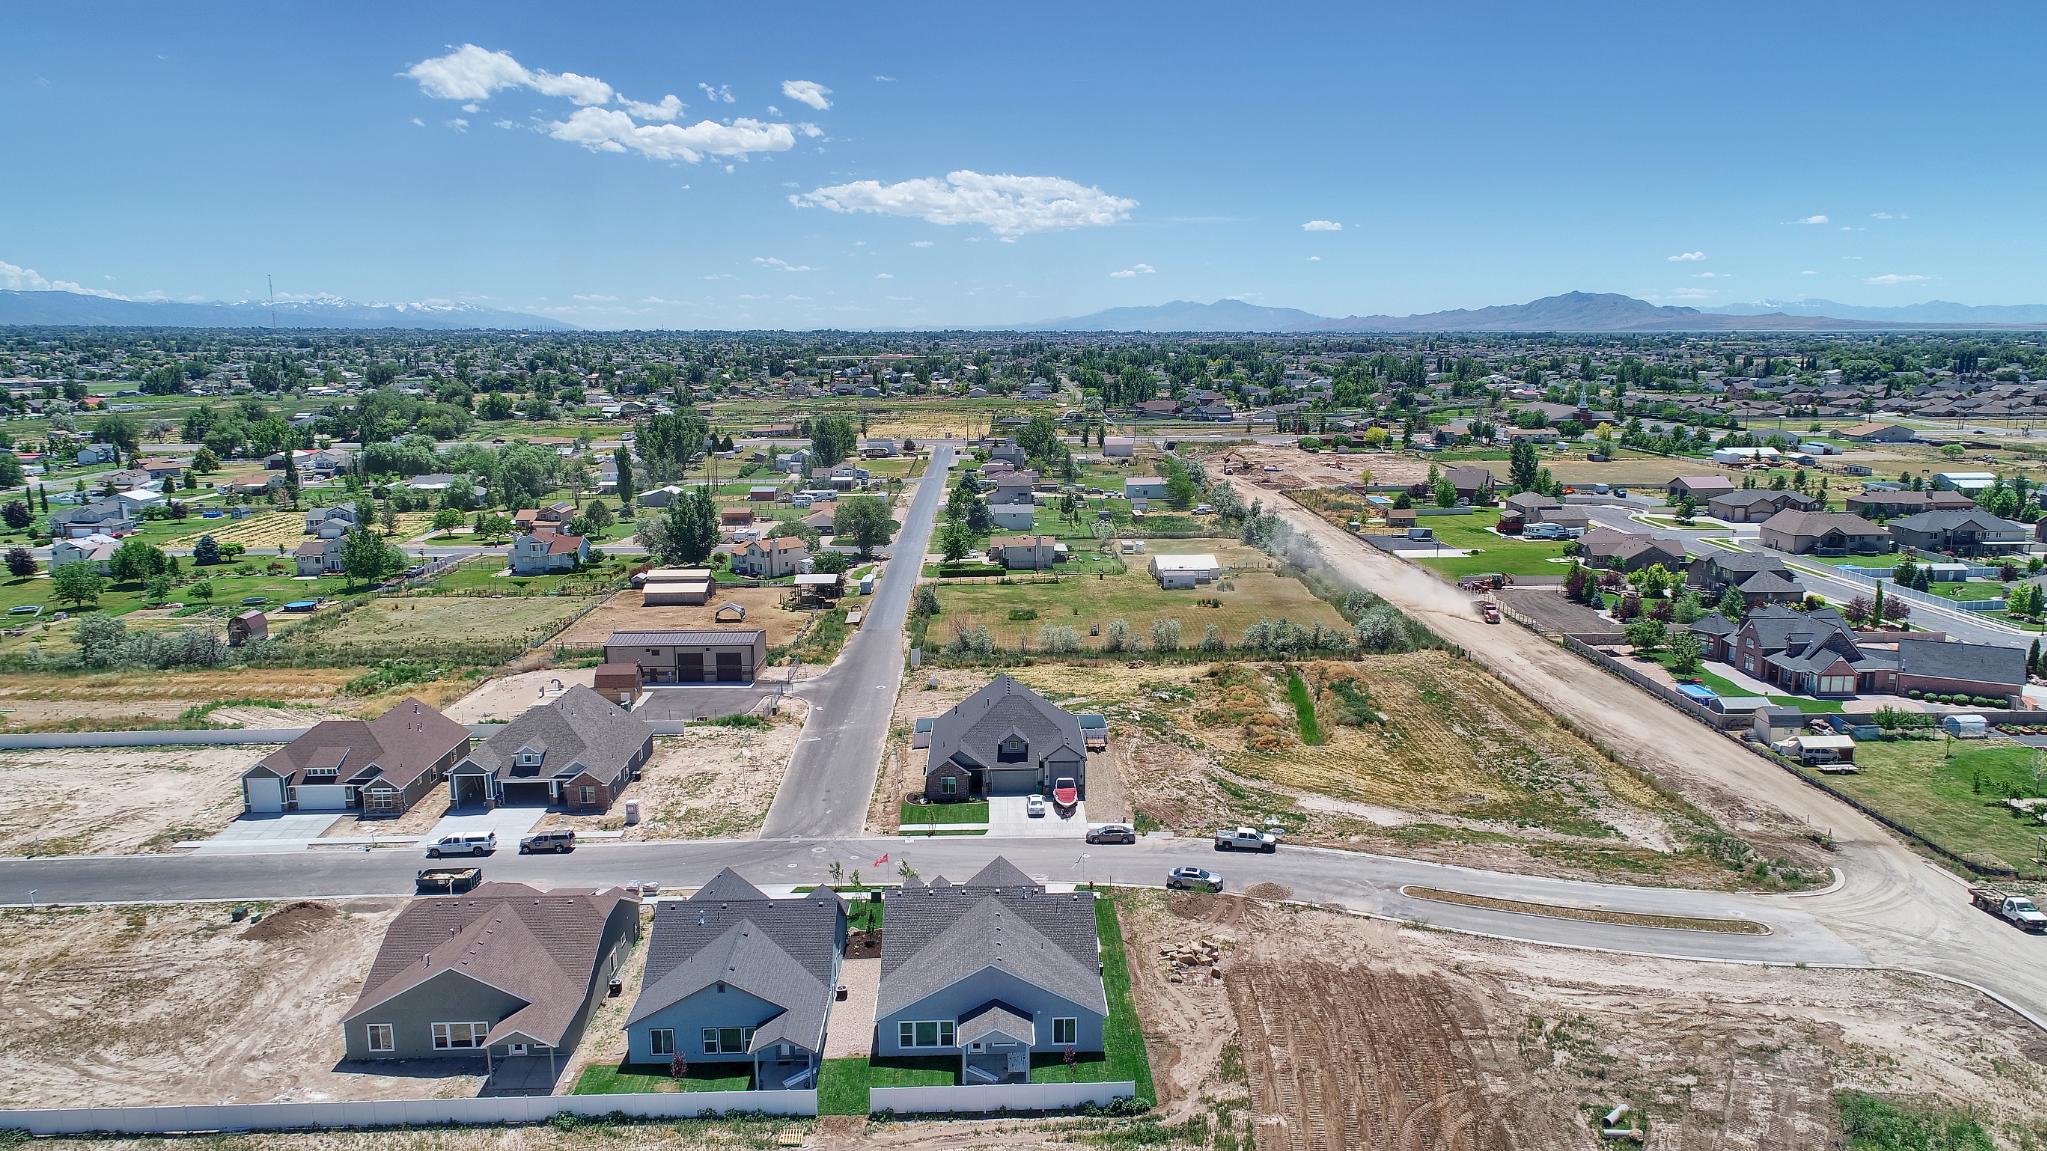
(1112, 833)
(1034, 807)
(1246, 839)
(484, 844)
(648, 888)
(555, 841)
(1194, 879)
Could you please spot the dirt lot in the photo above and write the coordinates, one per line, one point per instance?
(1552, 613)
(1328, 1031)
(622, 612)
(503, 699)
(147, 1005)
(31, 701)
(1325, 469)
(98, 800)
(708, 783)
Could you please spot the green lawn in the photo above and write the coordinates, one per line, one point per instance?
(1491, 552)
(631, 1078)
(484, 574)
(229, 589)
(842, 1087)
(968, 811)
(1952, 793)
(1973, 589)
(1722, 686)
(842, 1083)
(1125, 1057)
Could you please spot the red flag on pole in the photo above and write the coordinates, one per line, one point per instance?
(879, 862)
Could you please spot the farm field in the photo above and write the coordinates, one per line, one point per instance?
(167, 1004)
(1256, 590)
(1333, 1032)
(430, 626)
(622, 612)
(1954, 794)
(118, 800)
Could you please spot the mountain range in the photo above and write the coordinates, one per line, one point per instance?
(77, 309)
(1569, 312)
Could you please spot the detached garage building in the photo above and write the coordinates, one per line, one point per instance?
(708, 655)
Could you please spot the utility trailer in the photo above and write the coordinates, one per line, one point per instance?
(449, 880)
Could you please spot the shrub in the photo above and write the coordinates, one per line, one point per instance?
(1165, 634)
(1058, 639)
(1118, 636)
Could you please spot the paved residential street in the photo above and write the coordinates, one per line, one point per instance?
(831, 776)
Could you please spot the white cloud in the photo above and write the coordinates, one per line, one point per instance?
(1686, 257)
(717, 275)
(458, 124)
(884, 275)
(720, 94)
(505, 124)
(1006, 205)
(472, 108)
(1132, 271)
(808, 93)
(810, 131)
(884, 79)
(666, 111)
(1712, 275)
(473, 73)
(418, 123)
(1896, 278)
(596, 298)
(920, 243)
(1314, 259)
(1808, 272)
(1889, 216)
(780, 264)
(1817, 219)
(609, 130)
(16, 278)
(1322, 226)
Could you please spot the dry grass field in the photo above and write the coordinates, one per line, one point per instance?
(157, 1005)
(121, 700)
(622, 612)
(422, 621)
(1251, 589)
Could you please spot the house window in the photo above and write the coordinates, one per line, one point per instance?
(925, 1033)
(661, 1041)
(1064, 1032)
(727, 1040)
(459, 1036)
(586, 795)
(381, 1038)
(949, 785)
(1013, 750)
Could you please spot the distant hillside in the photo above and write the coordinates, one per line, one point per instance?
(1930, 312)
(1570, 312)
(75, 309)
(1186, 316)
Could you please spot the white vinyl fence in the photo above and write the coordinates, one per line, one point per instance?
(397, 1112)
(982, 1097)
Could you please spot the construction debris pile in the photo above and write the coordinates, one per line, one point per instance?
(1180, 959)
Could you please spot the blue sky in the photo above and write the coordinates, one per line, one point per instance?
(1471, 154)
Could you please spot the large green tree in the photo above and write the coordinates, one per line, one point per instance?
(832, 439)
(862, 521)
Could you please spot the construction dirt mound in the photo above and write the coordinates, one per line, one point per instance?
(1269, 891)
(294, 920)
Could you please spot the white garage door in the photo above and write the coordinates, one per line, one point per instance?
(266, 795)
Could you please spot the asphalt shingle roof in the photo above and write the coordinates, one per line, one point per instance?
(969, 732)
(939, 934)
(577, 727)
(401, 744)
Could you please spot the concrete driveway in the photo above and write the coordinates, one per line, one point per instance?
(1007, 818)
(509, 823)
(289, 831)
(707, 701)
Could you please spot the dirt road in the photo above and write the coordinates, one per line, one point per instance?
(1902, 911)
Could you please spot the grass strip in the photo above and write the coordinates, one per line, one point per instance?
(1304, 708)
(1589, 914)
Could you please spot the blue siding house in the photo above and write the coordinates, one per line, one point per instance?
(994, 970)
(736, 977)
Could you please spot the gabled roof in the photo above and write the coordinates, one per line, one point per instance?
(579, 726)
(783, 951)
(999, 920)
(970, 730)
(1980, 662)
(401, 744)
(1796, 522)
(538, 947)
(714, 637)
(1947, 520)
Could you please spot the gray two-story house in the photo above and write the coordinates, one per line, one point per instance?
(996, 971)
(502, 972)
(734, 977)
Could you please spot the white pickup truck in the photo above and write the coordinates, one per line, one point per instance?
(2014, 909)
(1246, 839)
